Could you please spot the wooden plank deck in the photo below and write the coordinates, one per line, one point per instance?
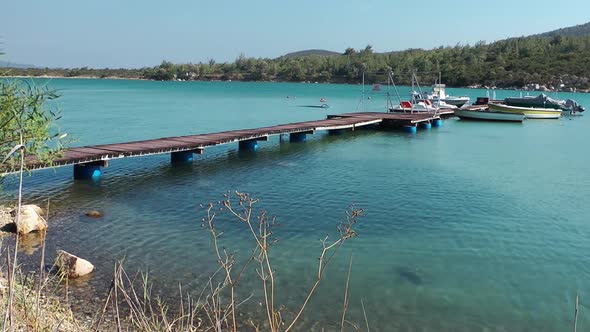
(105, 152)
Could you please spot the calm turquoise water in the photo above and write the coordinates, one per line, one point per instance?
(468, 227)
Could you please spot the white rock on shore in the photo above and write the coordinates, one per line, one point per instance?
(71, 265)
(30, 219)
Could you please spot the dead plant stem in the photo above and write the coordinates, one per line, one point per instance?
(345, 303)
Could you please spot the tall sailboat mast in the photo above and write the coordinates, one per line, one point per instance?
(363, 96)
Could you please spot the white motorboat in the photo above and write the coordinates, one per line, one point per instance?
(438, 94)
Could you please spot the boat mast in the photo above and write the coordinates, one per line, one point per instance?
(399, 98)
(388, 101)
(440, 84)
(363, 96)
(418, 84)
(412, 97)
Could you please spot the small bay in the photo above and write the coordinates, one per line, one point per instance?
(469, 227)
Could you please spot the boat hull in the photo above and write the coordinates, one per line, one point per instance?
(489, 116)
(528, 112)
(456, 101)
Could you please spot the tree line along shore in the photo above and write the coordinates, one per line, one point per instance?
(557, 63)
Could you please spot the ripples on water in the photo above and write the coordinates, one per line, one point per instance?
(472, 226)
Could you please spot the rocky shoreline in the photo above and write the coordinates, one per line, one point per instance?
(33, 303)
(567, 83)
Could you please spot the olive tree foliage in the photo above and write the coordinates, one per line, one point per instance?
(27, 125)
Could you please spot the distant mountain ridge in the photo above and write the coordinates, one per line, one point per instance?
(580, 30)
(9, 64)
(312, 52)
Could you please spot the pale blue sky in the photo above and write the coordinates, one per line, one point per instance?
(134, 33)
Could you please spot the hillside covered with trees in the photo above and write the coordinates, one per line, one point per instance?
(556, 61)
(580, 30)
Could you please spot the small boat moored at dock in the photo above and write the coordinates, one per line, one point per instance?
(528, 112)
(569, 106)
(486, 115)
(414, 106)
(438, 94)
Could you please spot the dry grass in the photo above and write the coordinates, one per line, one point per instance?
(34, 305)
(221, 307)
(216, 308)
(32, 311)
(30, 302)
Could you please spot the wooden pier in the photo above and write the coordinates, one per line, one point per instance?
(88, 160)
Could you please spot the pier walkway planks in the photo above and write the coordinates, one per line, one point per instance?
(197, 143)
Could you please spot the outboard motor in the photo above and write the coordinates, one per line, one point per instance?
(574, 106)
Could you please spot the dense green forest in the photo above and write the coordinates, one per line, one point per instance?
(559, 62)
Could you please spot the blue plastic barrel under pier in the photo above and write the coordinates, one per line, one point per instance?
(409, 129)
(425, 125)
(181, 157)
(251, 145)
(297, 137)
(89, 171)
(437, 123)
(336, 132)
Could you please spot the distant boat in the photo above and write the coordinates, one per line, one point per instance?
(377, 87)
(487, 115)
(529, 112)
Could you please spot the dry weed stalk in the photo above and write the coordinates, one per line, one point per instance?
(36, 305)
(260, 229)
(135, 307)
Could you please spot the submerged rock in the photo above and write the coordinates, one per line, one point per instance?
(30, 243)
(30, 219)
(409, 275)
(71, 265)
(93, 214)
